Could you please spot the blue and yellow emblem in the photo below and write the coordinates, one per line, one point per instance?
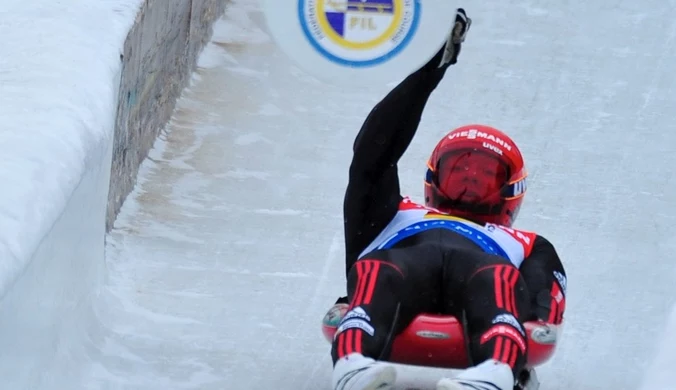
(359, 33)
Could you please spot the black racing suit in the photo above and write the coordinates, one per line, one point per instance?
(436, 271)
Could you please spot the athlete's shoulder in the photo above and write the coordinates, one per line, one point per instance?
(533, 241)
(408, 204)
(525, 236)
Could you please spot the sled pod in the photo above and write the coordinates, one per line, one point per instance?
(439, 341)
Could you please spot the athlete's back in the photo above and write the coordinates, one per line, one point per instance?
(412, 219)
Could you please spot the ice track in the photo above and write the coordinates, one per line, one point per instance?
(229, 251)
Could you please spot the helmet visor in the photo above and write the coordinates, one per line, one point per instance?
(471, 176)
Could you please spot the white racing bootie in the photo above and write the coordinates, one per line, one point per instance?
(489, 375)
(356, 372)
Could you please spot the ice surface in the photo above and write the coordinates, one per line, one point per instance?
(660, 374)
(59, 64)
(229, 251)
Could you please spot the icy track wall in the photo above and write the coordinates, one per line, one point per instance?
(84, 91)
(159, 55)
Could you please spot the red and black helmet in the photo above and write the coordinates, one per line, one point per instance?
(476, 172)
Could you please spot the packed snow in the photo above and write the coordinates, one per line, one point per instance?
(59, 76)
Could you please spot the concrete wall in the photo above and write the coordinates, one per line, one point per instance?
(159, 55)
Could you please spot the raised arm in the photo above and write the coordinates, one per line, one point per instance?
(373, 195)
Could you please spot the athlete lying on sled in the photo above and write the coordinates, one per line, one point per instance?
(448, 283)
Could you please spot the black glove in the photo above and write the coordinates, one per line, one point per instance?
(455, 39)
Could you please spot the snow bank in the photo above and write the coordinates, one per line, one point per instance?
(59, 72)
(62, 68)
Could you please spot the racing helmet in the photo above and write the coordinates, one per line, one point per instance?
(476, 172)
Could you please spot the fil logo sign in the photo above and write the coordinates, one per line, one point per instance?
(359, 33)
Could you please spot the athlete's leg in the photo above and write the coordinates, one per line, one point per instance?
(496, 306)
(383, 292)
(495, 302)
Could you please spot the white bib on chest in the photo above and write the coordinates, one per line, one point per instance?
(412, 218)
